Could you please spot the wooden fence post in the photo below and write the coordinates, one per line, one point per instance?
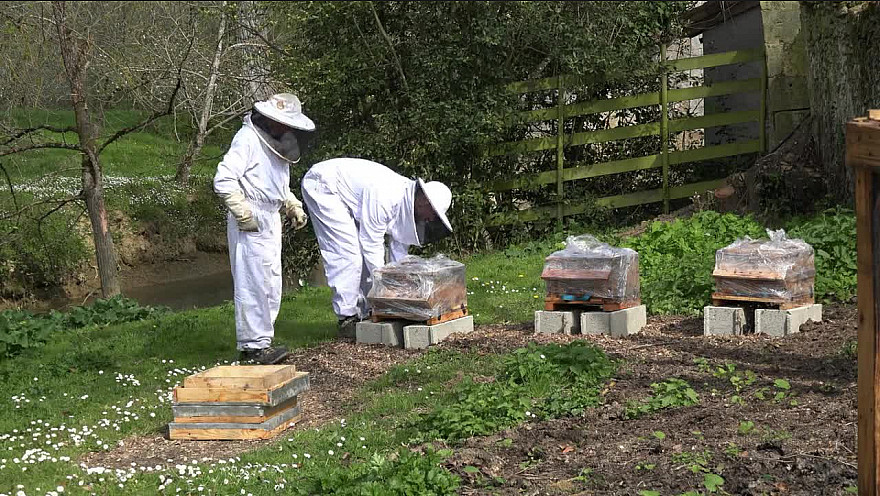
(560, 147)
(664, 126)
(863, 154)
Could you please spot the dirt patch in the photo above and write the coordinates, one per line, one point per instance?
(805, 448)
(808, 448)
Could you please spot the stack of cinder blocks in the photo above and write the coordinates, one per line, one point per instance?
(238, 402)
(592, 288)
(772, 278)
(417, 303)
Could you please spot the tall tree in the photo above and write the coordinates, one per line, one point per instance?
(87, 37)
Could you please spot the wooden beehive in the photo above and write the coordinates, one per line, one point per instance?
(778, 272)
(600, 274)
(238, 402)
(418, 289)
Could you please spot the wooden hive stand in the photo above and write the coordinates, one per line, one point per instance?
(453, 314)
(555, 302)
(238, 402)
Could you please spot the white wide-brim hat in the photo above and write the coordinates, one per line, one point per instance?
(440, 198)
(286, 109)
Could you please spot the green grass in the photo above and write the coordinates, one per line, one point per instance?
(155, 151)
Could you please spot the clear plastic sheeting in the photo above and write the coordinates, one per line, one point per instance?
(419, 289)
(589, 269)
(778, 268)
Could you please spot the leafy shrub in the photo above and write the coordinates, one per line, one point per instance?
(21, 330)
(404, 474)
(39, 252)
(676, 258)
(548, 381)
(833, 237)
(671, 393)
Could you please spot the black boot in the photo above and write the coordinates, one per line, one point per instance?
(347, 327)
(264, 356)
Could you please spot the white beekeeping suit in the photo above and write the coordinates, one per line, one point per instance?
(254, 181)
(353, 204)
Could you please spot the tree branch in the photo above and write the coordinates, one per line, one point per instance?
(11, 188)
(159, 113)
(24, 132)
(38, 146)
(390, 45)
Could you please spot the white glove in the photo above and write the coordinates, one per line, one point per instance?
(293, 209)
(238, 205)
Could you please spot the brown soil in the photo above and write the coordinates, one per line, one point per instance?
(808, 448)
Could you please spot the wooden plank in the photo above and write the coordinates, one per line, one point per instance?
(859, 157)
(874, 114)
(717, 151)
(544, 84)
(229, 432)
(715, 59)
(242, 376)
(244, 414)
(719, 299)
(715, 89)
(615, 133)
(714, 120)
(556, 302)
(765, 276)
(582, 172)
(271, 397)
(612, 104)
(617, 201)
(525, 146)
(456, 314)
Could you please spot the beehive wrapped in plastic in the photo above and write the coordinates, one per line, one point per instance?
(776, 269)
(588, 269)
(419, 289)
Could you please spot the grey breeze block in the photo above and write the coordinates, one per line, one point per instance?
(723, 321)
(420, 336)
(549, 322)
(618, 324)
(389, 333)
(779, 323)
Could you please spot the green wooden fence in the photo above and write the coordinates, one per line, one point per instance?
(664, 158)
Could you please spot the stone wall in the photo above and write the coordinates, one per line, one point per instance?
(843, 46)
(787, 97)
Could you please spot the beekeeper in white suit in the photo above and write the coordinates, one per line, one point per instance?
(353, 204)
(254, 182)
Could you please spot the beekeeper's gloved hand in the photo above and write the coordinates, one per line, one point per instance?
(293, 209)
(238, 205)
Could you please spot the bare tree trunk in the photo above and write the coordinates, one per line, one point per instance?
(256, 86)
(74, 53)
(198, 141)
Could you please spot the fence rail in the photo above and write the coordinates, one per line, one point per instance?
(662, 128)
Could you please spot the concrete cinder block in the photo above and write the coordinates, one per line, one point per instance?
(628, 321)
(443, 330)
(389, 333)
(416, 337)
(595, 323)
(799, 316)
(419, 336)
(547, 322)
(723, 321)
(770, 322)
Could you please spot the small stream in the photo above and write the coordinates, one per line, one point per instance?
(180, 288)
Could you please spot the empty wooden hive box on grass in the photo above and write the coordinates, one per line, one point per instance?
(238, 402)
(776, 271)
(418, 289)
(588, 272)
(592, 288)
